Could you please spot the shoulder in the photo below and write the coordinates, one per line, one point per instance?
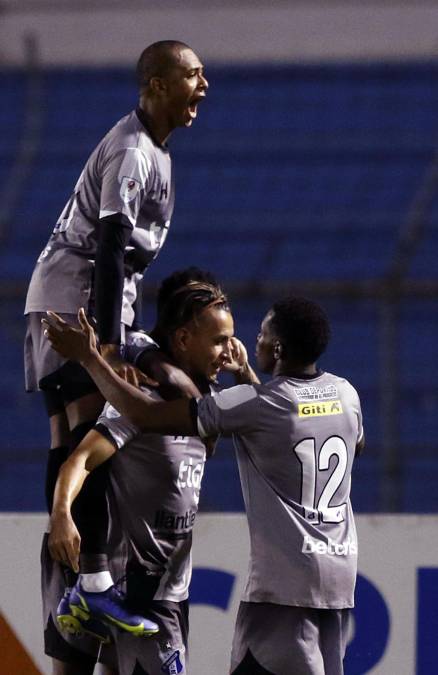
(226, 399)
(343, 385)
(128, 134)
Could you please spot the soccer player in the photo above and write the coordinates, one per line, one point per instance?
(155, 485)
(111, 229)
(296, 438)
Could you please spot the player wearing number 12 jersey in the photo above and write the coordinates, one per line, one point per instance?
(296, 439)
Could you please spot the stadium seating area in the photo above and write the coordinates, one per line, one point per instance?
(290, 174)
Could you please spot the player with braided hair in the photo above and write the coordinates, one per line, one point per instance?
(155, 483)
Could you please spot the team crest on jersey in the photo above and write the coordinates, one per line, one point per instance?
(172, 665)
(129, 189)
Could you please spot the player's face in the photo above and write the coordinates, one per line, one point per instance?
(186, 86)
(208, 345)
(265, 345)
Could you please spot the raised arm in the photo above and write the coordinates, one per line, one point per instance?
(64, 539)
(80, 345)
(239, 365)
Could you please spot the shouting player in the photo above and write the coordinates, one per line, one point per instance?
(110, 230)
(296, 438)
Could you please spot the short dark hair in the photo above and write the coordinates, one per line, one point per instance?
(179, 279)
(302, 328)
(157, 59)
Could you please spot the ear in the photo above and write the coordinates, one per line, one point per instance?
(181, 338)
(157, 85)
(278, 350)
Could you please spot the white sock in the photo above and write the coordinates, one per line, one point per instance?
(96, 582)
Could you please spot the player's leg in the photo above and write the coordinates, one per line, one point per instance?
(41, 365)
(72, 656)
(168, 652)
(68, 657)
(90, 510)
(59, 441)
(94, 596)
(271, 638)
(335, 624)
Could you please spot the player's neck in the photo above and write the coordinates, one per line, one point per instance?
(154, 121)
(294, 369)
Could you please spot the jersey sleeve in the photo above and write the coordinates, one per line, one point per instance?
(359, 420)
(126, 179)
(136, 343)
(354, 402)
(120, 429)
(228, 411)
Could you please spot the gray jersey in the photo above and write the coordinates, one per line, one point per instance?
(155, 482)
(127, 178)
(295, 442)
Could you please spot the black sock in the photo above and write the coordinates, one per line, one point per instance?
(90, 563)
(90, 509)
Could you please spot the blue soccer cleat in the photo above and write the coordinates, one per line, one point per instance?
(71, 624)
(110, 607)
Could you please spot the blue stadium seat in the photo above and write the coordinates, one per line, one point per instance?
(291, 173)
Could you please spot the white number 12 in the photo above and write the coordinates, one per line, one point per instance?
(305, 451)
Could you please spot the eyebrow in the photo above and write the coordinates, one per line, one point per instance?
(190, 68)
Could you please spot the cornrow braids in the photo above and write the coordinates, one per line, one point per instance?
(187, 304)
(181, 278)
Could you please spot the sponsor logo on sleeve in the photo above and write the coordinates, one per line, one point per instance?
(129, 189)
(320, 409)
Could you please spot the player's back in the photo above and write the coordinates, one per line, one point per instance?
(296, 441)
(295, 469)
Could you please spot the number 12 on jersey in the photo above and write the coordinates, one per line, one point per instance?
(313, 462)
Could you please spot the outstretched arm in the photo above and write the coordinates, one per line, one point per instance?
(80, 345)
(64, 539)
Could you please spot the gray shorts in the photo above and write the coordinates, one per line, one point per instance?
(279, 640)
(44, 368)
(164, 655)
